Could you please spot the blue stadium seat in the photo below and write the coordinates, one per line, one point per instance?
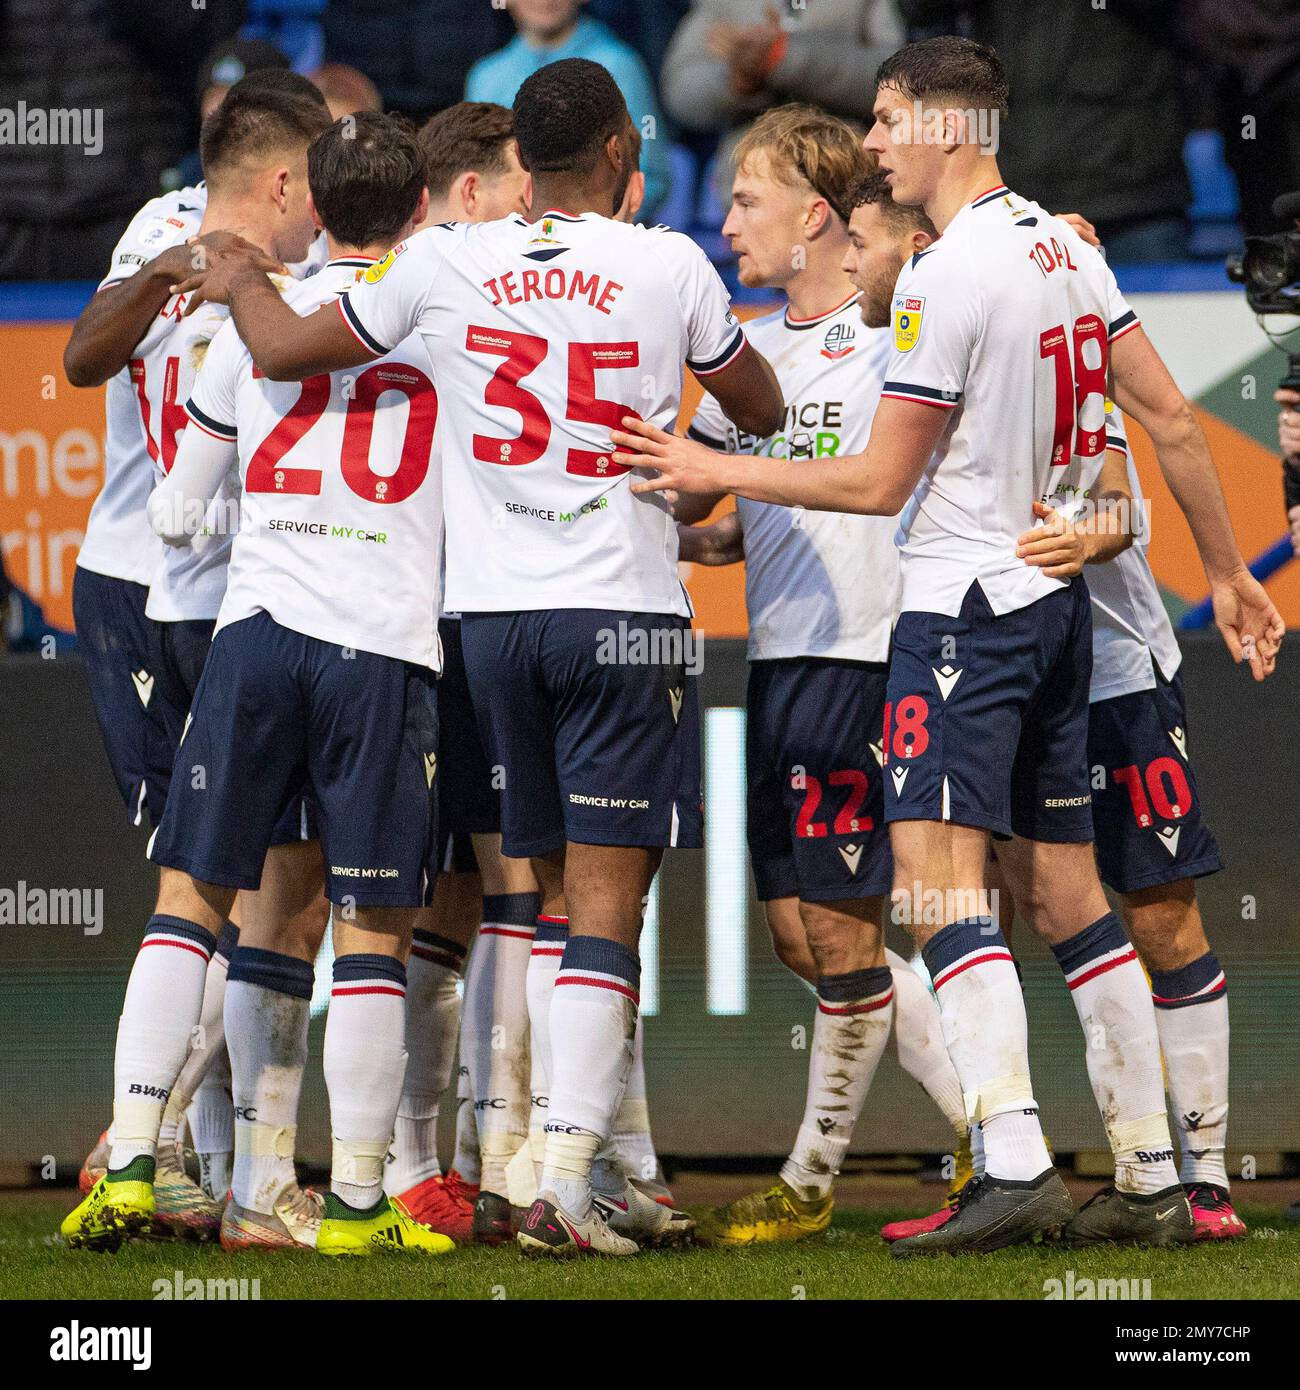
(1216, 202)
(301, 40)
(1214, 187)
(271, 11)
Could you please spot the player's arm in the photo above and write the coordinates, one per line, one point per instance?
(707, 427)
(722, 543)
(177, 505)
(877, 482)
(1246, 617)
(207, 448)
(111, 325)
(749, 393)
(1061, 547)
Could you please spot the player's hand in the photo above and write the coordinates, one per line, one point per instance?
(1248, 621)
(1056, 547)
(217, 270)
(683, 464)
(1288, 422)
(1081, 225)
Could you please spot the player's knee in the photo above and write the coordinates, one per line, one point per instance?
(838, 943)
(181, 896)
(1165, 926)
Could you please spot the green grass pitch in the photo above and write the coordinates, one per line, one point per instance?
(850, 1261)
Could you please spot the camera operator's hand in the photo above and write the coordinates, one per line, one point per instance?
(1248, 621)
(1288, 422)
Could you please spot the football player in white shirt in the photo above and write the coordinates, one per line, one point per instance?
(1005, 334)
(254, 149)
(474, 175)
(822, 591)
(322, 669)
(545, 334)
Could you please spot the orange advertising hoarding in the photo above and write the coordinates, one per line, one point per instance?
(52, 466)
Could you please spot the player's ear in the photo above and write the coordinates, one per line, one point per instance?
(315, 216)
(421, 213)
(468, 188)
(280, 188)
(920, 241)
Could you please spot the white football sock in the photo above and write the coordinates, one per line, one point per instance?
(632, 1139)
(207, 1043)
(855, 1012)
(494, 1031)
(918, 1034)
(432, 1020)
(543, 966)
(592, 1024)
(365, 1057)
(1192, 1018)
(211, 1118)
(164, 998)
(268, 1008)
(1113, 1001)
(987, 1036)
(465, 1160)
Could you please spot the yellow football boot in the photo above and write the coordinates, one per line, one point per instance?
(386, 1229)
(964, 1170)
(779, 1214)
(115, 1209)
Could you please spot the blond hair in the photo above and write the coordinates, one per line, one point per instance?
(805, 144)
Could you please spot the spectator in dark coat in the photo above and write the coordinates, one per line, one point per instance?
(1253, 50)
(1097, 117)
(417, 52)
(128, 72)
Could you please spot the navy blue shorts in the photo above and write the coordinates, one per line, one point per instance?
(592, 717)
(1147, 811)
(816, 804)
(113, 640)
(987, 718)
(179, 651)
(468, 801)
(276, 711)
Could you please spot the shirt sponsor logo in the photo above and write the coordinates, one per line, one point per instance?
(908, 309)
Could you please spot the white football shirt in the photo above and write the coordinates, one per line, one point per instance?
(118, 540)
(1130, 626)
(341, 512)
(144, 412)
(816, 583)
(1005, 322)
(544, 335)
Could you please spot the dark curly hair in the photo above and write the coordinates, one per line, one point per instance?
(564, 113)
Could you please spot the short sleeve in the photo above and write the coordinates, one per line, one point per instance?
(158, 226)
(387, 304)
(937, 316)
(714, 337)
(709, 425)
(211, 405)
(1116, 434)
(1121, 316)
